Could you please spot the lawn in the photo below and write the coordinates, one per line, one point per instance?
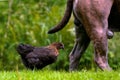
(59, 75)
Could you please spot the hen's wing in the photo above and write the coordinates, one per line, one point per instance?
(41, 56)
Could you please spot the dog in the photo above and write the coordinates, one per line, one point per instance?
(95, 21)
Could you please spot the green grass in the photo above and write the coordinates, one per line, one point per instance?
(59, 75)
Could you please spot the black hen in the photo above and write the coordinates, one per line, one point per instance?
(39, 57)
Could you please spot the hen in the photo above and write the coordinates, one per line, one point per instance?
(39, 57)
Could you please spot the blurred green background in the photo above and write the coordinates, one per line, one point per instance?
(27, 21)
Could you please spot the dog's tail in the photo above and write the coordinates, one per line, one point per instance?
(65, 19)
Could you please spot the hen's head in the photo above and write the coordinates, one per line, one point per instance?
(58, 45)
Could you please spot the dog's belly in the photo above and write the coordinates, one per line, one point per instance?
(114, 17)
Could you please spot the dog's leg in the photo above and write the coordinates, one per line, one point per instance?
(82, 42)
(95, 20)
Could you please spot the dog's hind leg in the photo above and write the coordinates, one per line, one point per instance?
(95, 20)
(82, 42)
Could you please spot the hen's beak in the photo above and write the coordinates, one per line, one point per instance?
(62, 47)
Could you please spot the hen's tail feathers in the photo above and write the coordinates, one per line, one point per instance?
(24, 49)
(65, 19)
